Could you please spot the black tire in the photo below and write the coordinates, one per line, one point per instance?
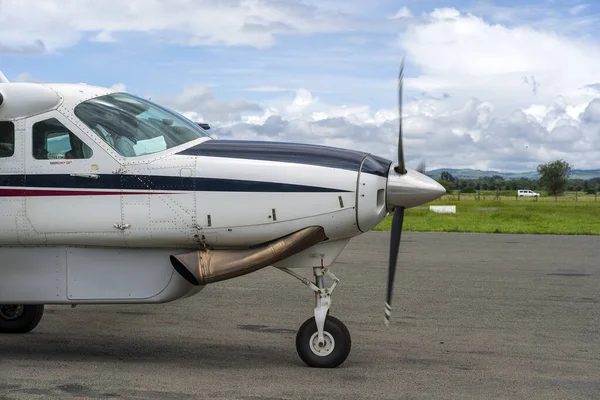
(22, 322)
(341, 348)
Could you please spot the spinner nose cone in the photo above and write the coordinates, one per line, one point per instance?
(411, 189)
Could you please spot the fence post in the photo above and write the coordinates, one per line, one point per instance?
(459, 195)
(576, 195)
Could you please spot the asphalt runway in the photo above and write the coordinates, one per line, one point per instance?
(475, 317)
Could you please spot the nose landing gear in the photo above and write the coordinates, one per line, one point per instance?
(322, 341)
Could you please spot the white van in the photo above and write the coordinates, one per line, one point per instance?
(527, 193)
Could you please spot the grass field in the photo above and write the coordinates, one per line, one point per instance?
(545, 216)
(490, 195)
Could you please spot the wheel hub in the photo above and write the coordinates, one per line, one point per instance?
(322, 349)
(11, 311)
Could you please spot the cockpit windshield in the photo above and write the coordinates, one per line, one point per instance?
(134, 126)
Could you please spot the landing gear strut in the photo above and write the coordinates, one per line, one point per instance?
(20, 318)
(322, 341)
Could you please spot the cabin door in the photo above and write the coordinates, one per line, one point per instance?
(71, 193)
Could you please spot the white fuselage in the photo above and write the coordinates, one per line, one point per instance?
(215, 193)
(180, 197)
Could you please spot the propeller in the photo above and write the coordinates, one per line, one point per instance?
(398, 218)
(404, 189)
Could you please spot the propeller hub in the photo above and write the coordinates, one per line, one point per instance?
(411, 189)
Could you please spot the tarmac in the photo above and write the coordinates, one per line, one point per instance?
(474, 316)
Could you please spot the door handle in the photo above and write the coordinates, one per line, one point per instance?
(88, 176)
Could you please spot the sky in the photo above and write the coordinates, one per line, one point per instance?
(487, 84)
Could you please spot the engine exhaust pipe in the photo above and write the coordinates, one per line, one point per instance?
(207, 266)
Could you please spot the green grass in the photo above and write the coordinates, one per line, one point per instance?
(512, 216)
(488, 195)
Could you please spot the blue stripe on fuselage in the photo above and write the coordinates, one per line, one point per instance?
(299, 153)
(155, 182)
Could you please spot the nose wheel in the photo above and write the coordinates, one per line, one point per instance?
(330, 352)
(322, 341)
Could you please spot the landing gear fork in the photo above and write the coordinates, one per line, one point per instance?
(322, 299)
(322, 295)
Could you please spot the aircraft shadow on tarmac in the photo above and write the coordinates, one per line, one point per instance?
(196, 352)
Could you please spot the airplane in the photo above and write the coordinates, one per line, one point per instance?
(109, 198)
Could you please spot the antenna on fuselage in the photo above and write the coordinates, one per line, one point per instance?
(3, 78)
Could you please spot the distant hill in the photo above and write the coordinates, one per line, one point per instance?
(468, 173)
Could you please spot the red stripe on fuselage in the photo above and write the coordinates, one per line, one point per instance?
(59, 192)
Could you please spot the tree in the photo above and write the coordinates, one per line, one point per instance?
(555, 176)
(446, 176)
(449, 186)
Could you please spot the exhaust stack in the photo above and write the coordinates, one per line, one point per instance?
(207, 266)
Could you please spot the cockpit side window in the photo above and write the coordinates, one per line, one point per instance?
(53, 140)
(134, 126)
(7, 139)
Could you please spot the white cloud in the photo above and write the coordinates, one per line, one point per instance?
(119, 87)
(466, 56)
(26, 77)
(261, 119)
(539, 85)
(19, 45)
(267, 89)
(445, 134)
(493, 96)
(33, 26)
(403, 12)
(104, 37)
(441, 14)
(302, 101)
(198, 103)
(578, 9)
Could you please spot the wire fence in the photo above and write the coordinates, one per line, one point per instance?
(490, 195)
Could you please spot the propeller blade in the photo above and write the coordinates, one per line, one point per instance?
(421, 167)
(395, 235)
(401, 168)
(398, 218)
